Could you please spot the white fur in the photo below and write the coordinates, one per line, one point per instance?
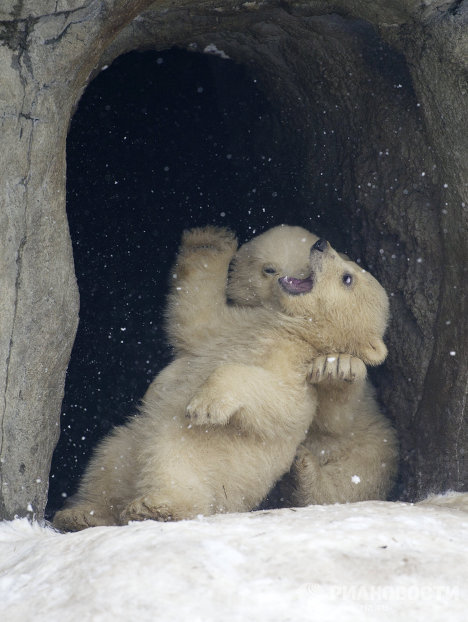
(349, 437)
(222, 422)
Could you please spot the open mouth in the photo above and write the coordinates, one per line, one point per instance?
(296, 286)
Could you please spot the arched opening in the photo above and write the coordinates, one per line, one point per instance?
(370, 99)
(310, 121)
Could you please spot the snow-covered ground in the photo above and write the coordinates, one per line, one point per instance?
(356, 562)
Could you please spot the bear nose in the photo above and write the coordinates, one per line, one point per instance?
(320, 245)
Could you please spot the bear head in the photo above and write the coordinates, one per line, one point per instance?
(257, 265)
(339, 306)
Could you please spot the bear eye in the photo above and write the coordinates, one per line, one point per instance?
(347, 279)
(269, 270)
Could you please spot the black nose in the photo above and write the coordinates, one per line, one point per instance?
(320, 245)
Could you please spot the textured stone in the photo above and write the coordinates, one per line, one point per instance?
(375, 91)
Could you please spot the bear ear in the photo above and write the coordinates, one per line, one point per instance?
(374, 352)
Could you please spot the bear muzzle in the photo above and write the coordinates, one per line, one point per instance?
(320, 252)
(320, 245)
(294, 286)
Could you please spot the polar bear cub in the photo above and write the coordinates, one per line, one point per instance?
(221, 424)
(351, 451)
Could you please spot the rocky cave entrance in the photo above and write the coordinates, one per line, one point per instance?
(363, 116)
(166, 140)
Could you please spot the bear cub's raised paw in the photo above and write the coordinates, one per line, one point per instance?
(216, 239)
(339, 367)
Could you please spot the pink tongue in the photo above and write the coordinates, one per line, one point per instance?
(296, 286)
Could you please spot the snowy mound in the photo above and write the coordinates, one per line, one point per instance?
(363, 561)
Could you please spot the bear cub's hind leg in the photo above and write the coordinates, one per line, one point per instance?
(80, 517)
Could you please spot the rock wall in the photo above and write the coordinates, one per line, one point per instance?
(376, 94)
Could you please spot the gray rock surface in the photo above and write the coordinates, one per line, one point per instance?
(374, 94)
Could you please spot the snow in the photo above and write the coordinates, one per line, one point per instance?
(212, 49)
(356, 562)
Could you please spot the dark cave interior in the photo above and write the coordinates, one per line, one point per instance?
(167, 140)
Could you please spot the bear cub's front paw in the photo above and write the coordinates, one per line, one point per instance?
(209, 408)
(304, 460)
(218, 239)
(336, 367)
